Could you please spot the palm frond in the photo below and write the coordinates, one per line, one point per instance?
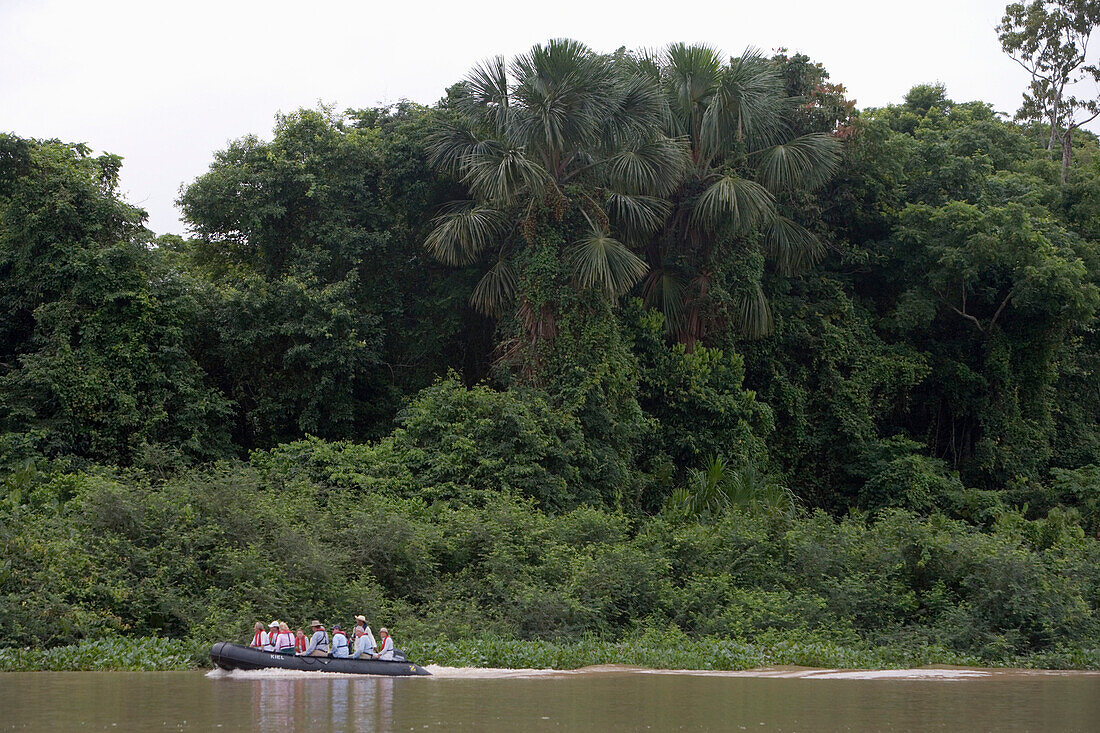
(704, 494)
(692, 74)
(496, 289)
(719, 487)
(463, 232)
(498, 173)
(564, 92)
(640, 108)
(606, 264)
(637, 216)
(791, 246)
(644, 62)
(752, 490)
(744, 104)
(650, 167)
(450, 143)
(808, 161)
(679, 501)
(733, 202)
(754, 315)
(664, 289)
(486, 95)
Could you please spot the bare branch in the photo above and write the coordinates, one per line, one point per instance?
(1000, 308)
(963, 313)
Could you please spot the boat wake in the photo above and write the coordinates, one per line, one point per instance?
(771, 672)
(284, 674)
(946, 674)
(473, 673)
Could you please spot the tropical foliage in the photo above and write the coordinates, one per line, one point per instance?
(628, 347)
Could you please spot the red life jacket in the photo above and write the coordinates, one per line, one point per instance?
(257, 640)
(299, 643)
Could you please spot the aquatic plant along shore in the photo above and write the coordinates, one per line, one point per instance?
(500, 657)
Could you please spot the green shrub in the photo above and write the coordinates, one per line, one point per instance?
(201, 554)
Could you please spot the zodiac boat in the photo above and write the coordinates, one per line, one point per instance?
(227, 655)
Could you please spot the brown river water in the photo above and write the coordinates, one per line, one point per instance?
(594, 699)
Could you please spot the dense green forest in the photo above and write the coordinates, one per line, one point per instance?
(679, 348)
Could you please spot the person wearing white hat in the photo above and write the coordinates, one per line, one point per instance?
(386, 652)
(273, 631)
(284, 640)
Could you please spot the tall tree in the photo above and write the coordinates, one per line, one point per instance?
(1050, 38)
(737, 201)
(326, 312)
(978, 274)
(568, 170)
(96, 328)
(561, 130)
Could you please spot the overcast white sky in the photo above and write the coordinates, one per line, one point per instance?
(166, 84)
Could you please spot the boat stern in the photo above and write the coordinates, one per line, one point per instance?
(217, 657)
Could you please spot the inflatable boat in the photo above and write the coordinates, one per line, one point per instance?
(235, 656)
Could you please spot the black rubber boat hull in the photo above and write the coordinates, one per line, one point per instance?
(230, 656)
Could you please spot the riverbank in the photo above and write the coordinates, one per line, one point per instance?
(651, 650)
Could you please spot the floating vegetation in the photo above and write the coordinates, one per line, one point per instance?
(113, 653)
(654, 649)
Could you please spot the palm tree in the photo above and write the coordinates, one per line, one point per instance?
(719, 487)
(745, 166)
(559, 134)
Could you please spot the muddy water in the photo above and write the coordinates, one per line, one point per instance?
(597, 699)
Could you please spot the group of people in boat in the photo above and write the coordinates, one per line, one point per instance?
(278, 637)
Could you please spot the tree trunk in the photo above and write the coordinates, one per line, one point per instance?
(1055, 118)
(1067, 152)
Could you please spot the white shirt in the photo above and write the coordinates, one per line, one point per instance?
(364, 645)
(387, 649)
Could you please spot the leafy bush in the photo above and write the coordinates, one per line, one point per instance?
(202, 554)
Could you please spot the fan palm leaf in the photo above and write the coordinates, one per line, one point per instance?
(459, 235)
(564, 92)
(754, 314)
(486, 96)
(692, 74)
(652, 166)
(450, 143)
(732, 202)
(498, 173)
(600, 262)
(664, 289)
(495, 290)
(640, 108)
(805, 162)
(744, 104)
(637, 216)
(791, 246)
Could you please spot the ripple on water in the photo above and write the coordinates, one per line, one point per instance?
(946, 674)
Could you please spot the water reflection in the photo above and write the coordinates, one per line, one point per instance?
(592, 700)
(335, 704)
